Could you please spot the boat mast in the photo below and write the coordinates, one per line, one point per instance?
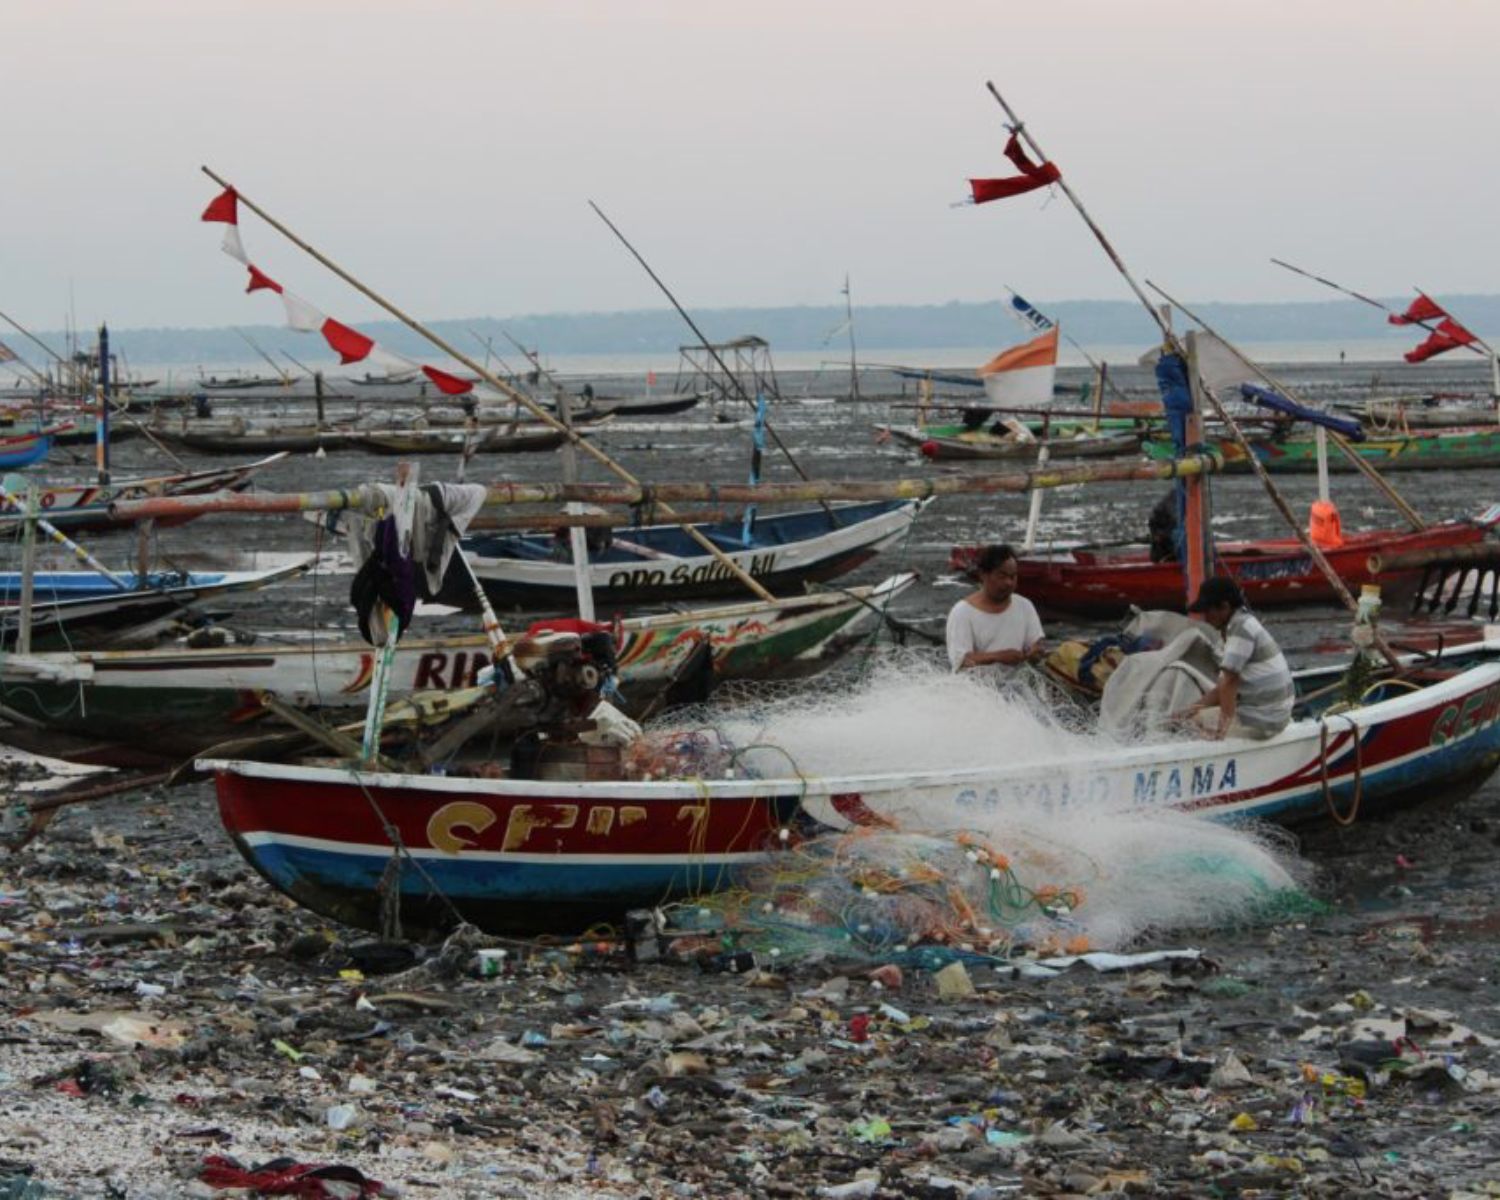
(281, 372)
(849, 323)
(1176, 346)
(101, 422)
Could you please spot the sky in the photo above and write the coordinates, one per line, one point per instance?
(445, 151)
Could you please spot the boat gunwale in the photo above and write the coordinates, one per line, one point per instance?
(1112, 758)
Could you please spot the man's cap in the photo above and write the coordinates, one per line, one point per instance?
(1218, 589)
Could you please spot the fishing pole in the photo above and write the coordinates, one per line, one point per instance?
(707, 345)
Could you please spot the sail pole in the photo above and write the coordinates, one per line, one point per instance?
(1478, 346)
(31, 337)
(1340, 443)
(503, 388)
(1172, 341)
(281, 372)
(849, 323)
(923, 487)
(1098, 233)
(101, 421)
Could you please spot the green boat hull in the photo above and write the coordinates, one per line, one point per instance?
(1469, 449)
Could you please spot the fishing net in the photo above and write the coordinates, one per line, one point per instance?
(920, 898)
(906, 712)
(940, 882)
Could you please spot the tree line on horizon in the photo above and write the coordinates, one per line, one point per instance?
(803, 328)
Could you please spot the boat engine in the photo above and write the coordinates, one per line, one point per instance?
(572, 668)
(573, 731)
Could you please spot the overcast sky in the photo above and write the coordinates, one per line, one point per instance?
(445, 150)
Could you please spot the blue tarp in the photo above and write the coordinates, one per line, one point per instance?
(1266, 398)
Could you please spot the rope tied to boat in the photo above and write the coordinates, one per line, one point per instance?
(1347, 818)
(643, 511)
(389, 888)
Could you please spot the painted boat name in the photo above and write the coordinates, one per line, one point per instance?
(1158, 785)
(758, 565)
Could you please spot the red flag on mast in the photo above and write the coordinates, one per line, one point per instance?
(350, 344)
(1032, 176)
(1449, 335)
(225, 207)
(449, 385)
(1423, 308)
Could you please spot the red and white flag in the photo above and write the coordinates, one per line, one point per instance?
(1022, 376)
(7, 354)
(349, 344)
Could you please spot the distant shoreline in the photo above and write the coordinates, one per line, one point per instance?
(800, 338)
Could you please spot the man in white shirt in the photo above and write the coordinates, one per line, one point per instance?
(994, 626)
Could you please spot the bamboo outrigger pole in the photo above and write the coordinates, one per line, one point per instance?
(648, 495)
(1171, 339)
(504, 389)
(1413, 517)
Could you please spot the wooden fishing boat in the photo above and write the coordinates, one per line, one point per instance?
(984, 445)
(523, 855)
(504, 417)
(1106, 582)
(128, 708)
(72, 607)
(243, 383)
(25, 449)
(1042, 425)
(666, 404)
(656, 563)
(398, 379)
(1421, 412)
(83, 429)
(68, 426)
(491, 439)
(236, 436)
(1438, 450)
(87, 506)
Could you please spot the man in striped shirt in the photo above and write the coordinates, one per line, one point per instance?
(1254, 693)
